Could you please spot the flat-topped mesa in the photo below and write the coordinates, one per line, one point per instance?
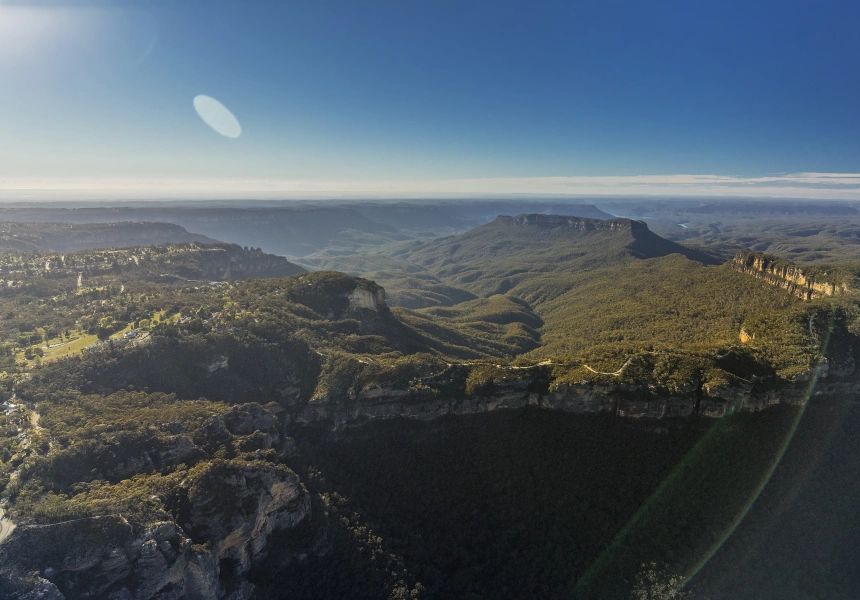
(806, 284)
(580, 223)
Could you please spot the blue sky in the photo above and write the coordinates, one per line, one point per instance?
(430, 98)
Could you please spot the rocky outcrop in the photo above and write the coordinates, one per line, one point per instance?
(68, 237)
(193, 533)
(365, 297)
(336, 296)
(619, 400)
(237, 505)
(245, 428)
(787, 275)
(104, 556)
(233, 507)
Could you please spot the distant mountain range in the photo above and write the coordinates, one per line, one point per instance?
(298, 230)
(68, 237)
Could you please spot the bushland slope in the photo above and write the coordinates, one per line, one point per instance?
(496, 257)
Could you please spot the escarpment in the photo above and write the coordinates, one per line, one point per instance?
(572, 222)
(457, 390)
(803, 283)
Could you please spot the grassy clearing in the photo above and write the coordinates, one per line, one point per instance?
(77, 345)
(72, 347)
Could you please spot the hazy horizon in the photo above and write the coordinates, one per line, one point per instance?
(798, 186)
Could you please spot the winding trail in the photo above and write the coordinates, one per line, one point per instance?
(615, 373)
(544, 363)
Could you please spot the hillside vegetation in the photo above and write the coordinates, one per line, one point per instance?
(499, 256)
(167, 396)
(594, 287)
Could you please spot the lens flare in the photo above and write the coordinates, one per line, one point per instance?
(599, 567)
(217, 116)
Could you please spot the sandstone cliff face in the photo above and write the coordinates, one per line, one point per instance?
(108, 556)
(786, 275)
(711, 400)
(577, 223)
(234, 507)
(367, 298)
(578, 399)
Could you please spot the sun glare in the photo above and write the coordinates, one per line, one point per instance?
(31, 34)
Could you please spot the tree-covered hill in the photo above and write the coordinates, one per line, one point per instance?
(590, 283)
(496, 257)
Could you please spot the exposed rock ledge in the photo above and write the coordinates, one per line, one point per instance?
(233, 507)
(367, 297)
(787, 275)
(621, 400)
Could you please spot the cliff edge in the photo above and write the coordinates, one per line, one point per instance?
(805, 283)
